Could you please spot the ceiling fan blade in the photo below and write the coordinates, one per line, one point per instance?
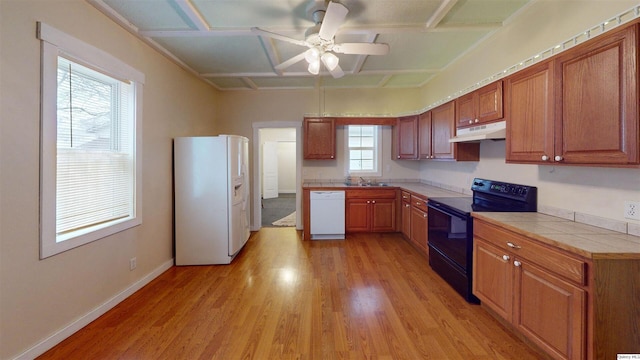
(333, 18)
(337, 72)
(290, 62)
(273, 35)
(361, 48)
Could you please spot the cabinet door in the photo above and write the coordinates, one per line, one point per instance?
(383, 215)
(597, 101)
(319, 138)
(493, 278)
(406, 220)
(550, 312)
(481, 106)
(419, 227)
(442, 127)
(357, 215)
(489, 103)
(465, 110)
(424, 135)
(530, 113)
(407, 138)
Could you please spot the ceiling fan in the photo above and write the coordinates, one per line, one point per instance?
(319, 39)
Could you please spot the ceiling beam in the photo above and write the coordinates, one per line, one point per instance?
(193, 14)
(356, 30)
(361, 58)
(307, 74)
(271, 52)
(250, 83)
(441, 12)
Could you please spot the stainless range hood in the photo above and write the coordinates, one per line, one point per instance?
(497, 130)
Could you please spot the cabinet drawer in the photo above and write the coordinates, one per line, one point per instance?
(419, 202)
(371, 194)
(405, 196)
(564, 265)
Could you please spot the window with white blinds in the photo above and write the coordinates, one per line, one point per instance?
(90, 170)
(94, 182)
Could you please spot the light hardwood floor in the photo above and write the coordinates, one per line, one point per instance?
(368, 297)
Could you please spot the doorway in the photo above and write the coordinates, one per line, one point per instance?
(277, 174)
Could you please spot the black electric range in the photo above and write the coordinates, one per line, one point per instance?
(450, 227)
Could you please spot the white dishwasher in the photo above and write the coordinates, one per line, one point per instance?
(327, 215)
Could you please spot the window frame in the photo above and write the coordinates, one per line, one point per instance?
(377, 154)
(55, 43)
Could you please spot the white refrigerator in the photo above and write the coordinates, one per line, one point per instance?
(211, 197)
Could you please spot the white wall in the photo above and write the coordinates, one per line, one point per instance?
(38, 298)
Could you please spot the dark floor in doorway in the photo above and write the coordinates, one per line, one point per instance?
(277, 208)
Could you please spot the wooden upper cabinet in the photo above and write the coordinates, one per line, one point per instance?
(424, 136)
(443, 129)
(580, 107)
(529, 111)
(480, 106)
(597, 101)
(407, 138)
(319, 138)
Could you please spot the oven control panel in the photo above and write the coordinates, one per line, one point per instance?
(501, 188)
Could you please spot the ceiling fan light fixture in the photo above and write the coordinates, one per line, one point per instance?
(330, 60)
(314, 67)
(312, 55)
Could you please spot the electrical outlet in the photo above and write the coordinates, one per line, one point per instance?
(133, 263)
(632, 210)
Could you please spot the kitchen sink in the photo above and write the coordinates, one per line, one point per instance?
(365, 185)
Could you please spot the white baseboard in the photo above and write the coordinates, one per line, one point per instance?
(70, 329)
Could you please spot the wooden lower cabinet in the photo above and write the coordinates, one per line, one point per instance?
(570, 306)
(493, 278)
(419, 222)
(405, 215)
(549, 311)
(415, 220)
(370, 210)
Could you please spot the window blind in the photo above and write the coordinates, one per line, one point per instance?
(95, 166)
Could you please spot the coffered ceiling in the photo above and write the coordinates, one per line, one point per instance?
(213, 38)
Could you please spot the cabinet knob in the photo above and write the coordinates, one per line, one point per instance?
(373, 202)
(512, 245)
(432, 157)
(332, 156)
(476, 121)
(517, 263)
(505, 257)
(558, 158)
(418, 203)
(545, 158)
(406, 205)
(424, 215)
(470, 121)
(398, 156)
(368, 202)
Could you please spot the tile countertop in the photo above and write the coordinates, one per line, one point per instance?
(417, 188)
(581, 239)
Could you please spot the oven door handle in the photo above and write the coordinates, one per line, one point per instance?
(437, 207)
